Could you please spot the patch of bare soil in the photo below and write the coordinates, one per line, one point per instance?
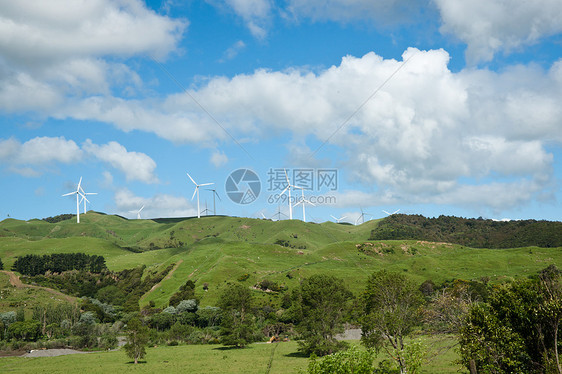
(16, 282)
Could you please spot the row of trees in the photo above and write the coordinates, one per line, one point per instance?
(58, 262)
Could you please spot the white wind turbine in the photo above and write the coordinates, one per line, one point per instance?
(197, 192)
(138, 212)
(362, 216)
(389, 214)
(78, 194)
(338, 219)
(288, 189)
(303, 201)
(83, 194)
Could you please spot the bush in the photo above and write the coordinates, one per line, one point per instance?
(350, 361)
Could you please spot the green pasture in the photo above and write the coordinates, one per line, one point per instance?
(217, 250)
(281, 358)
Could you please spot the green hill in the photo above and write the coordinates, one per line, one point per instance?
(214, 250)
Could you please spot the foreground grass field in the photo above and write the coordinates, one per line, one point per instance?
(257, 358)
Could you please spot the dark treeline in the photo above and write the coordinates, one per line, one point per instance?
(476, 233)
(58, 262)
(59, 218)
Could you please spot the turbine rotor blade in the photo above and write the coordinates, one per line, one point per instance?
(191, 179)
(194, 192)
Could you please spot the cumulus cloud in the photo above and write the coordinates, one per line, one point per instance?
(160, 205)
(51, 51)
(23, 158)
(421, 137)
(488, 27)
(135, 165)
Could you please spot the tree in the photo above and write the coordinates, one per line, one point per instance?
(235, 302)
(392, 309)
(323, 304)
(137, 339)
(517, 331)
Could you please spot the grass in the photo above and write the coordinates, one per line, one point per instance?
(217, 250)
(257, 358)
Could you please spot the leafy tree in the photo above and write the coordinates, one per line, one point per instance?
(186, 292)
(25, 330)
(237, 327)
(137, 340)
(494, 347)
(518, 329)
(323, 303)
(392, 309)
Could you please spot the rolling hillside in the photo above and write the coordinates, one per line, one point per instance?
(214, 250)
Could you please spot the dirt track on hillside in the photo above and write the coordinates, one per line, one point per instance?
(16, 282)
(168, 276)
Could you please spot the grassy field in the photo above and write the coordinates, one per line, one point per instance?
(216, 250)
(281, 358)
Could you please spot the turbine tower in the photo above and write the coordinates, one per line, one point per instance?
(303, 201)
(197, 192)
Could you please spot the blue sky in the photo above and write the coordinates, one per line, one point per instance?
(431, 107)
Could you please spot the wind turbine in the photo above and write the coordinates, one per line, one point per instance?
(83, 194)
(197, 192)
(389, 214)
(78, 194)
(214, 205)
(362, 216)
(206, 211)
(138, 212)
(303, 201)
(279, 213)
(338, 219)
(288, 188)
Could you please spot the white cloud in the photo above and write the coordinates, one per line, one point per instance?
(135, 165)
(424, 132)
(219, 159)
(491, 26)
(49, 51)
(255, 13)
(38, 151)
(160, 205)
(35, 32)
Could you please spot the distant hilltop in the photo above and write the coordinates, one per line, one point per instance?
(471, 232)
